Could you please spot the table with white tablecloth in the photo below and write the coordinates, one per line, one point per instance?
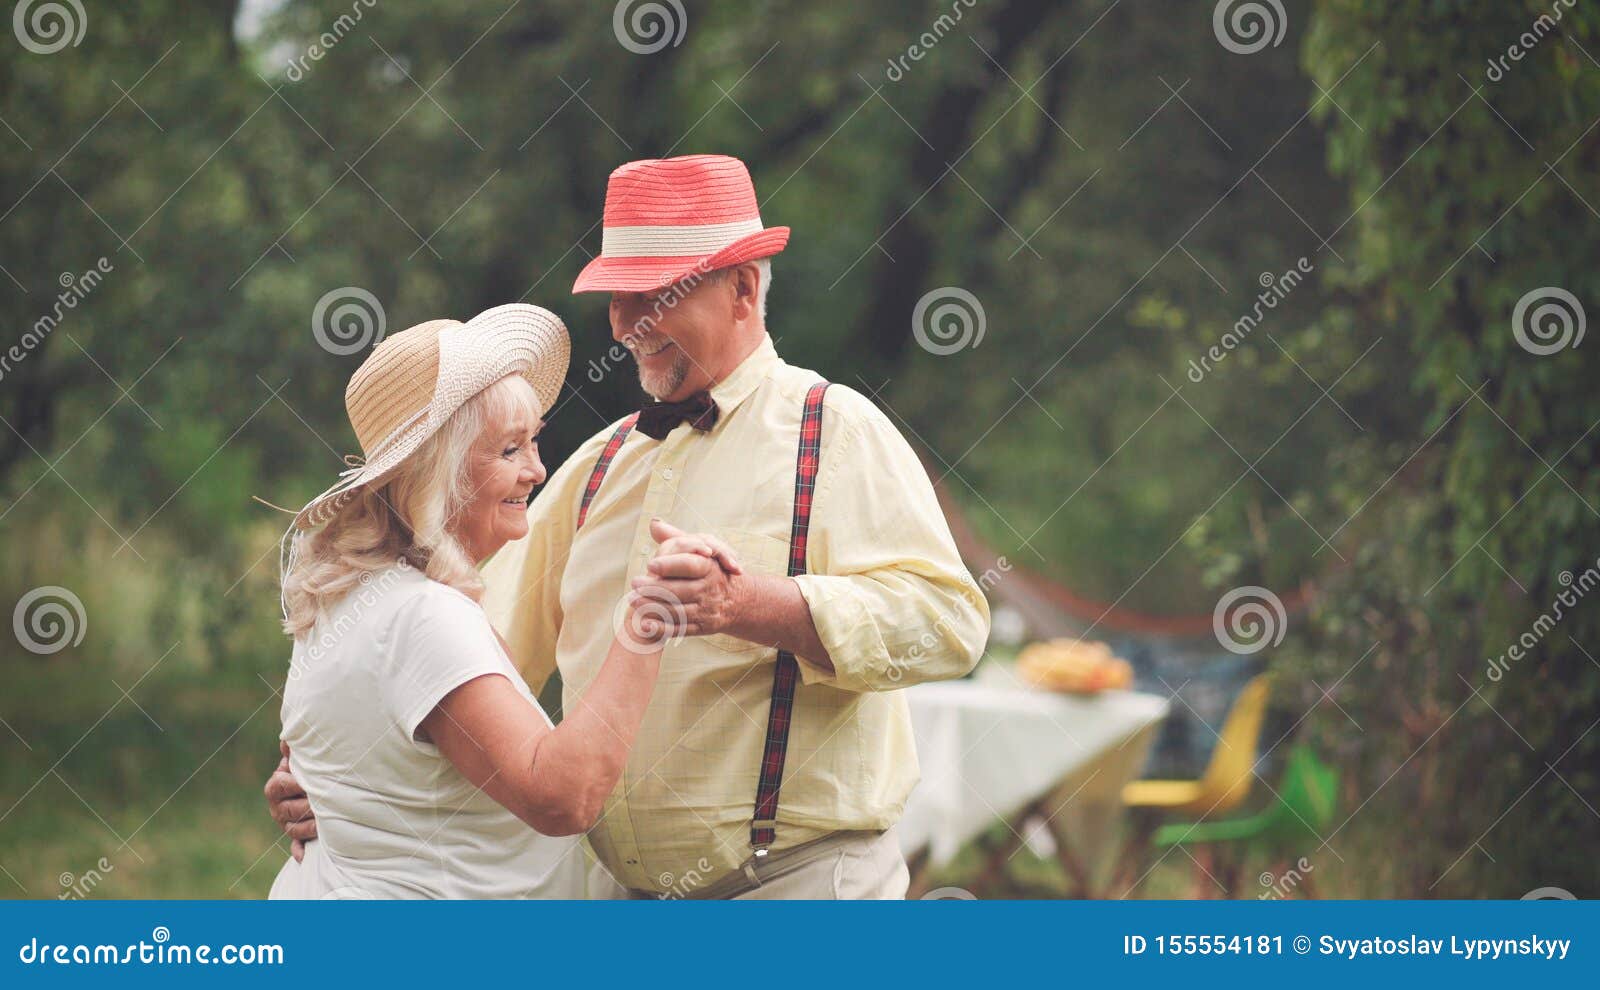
(993, 748)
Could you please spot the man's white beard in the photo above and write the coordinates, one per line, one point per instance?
(659, 385)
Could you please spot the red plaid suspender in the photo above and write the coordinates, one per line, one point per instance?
(603, 465)
(763, 828)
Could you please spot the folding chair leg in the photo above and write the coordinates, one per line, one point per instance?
(1229, 866)
(1135, 849)
(1205, 862)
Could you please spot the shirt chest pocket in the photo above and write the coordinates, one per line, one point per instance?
(757, 554)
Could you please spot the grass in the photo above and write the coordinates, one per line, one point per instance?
(164, 787)
(160, 795)
(156, 792)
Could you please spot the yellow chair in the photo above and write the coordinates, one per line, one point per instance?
(1226, 782)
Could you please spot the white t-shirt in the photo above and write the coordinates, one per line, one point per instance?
(395, 819)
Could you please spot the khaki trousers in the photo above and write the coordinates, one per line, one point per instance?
(845, 866)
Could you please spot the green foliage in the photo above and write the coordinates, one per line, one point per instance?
(1457, 558)
(1114, 228)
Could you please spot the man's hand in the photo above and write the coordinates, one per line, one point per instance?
(290, 807)
(696, 576)
(703, 598)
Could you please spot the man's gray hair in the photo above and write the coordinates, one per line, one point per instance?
(764, 266)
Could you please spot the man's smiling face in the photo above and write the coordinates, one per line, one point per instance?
(676, 334)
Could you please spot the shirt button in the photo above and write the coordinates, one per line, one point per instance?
(666, 474)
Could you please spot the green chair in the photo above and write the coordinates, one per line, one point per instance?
(1303, 808)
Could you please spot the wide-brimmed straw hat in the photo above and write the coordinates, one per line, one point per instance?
(416, 379)
(668, 218)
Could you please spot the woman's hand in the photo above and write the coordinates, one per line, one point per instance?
(689, 588)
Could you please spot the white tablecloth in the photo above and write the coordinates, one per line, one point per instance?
(989, 748)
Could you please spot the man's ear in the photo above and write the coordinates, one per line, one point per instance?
(746, 281)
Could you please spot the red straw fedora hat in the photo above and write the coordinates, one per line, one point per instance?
(666, 218)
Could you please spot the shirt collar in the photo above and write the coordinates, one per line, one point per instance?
(744, 379)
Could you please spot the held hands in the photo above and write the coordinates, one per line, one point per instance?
(691, 587)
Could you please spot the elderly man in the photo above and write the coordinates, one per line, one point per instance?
(777, 752)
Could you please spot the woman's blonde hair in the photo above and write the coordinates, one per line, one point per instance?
(408, 519)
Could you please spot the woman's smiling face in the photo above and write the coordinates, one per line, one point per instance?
(503, 470)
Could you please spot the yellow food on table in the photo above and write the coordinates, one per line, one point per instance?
(1079, 666)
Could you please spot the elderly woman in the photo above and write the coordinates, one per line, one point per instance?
(431, 768)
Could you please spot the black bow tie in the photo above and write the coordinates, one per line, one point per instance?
(657, 419)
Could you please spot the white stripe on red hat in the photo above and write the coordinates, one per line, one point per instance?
(674, 242)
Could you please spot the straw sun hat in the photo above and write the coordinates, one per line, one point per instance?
(416, 379)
